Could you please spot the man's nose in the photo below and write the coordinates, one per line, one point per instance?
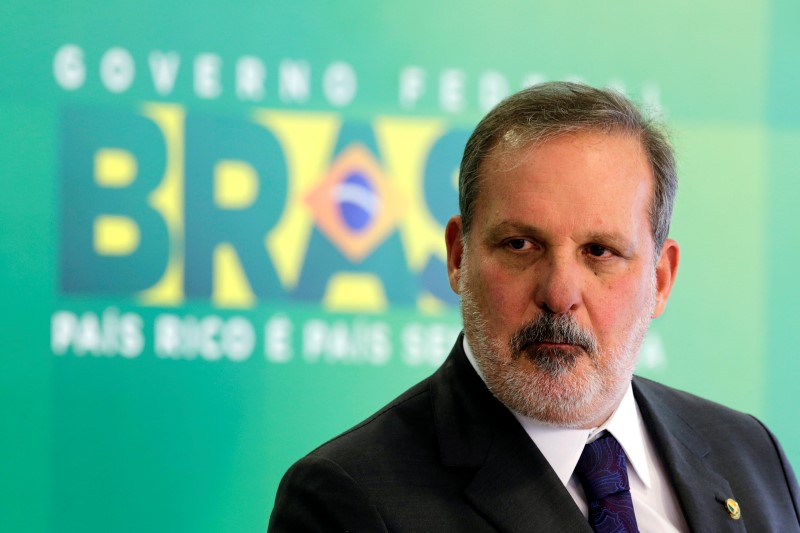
(558, 285)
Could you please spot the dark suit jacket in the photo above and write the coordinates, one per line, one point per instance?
(447, 456)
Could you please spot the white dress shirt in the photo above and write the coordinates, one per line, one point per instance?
(654, 501)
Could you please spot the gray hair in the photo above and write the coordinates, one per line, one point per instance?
(547, 110)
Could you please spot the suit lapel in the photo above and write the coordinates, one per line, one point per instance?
(701, 491)
(514, 487)
(517, 490)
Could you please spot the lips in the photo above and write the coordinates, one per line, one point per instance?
(559, 345)
(554, 342)
(552, 345)
(554, 358)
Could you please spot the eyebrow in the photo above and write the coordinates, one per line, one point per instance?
(499, 231)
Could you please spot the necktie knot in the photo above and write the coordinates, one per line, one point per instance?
(602, 470)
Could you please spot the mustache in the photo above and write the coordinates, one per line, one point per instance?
(552, 328)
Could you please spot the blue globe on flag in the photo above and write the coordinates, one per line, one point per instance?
(355, 204)
(357, 201)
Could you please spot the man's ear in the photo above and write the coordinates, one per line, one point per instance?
(454, 239)
(666, 270)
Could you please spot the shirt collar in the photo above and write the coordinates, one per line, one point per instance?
(562, 447)
(627, 426)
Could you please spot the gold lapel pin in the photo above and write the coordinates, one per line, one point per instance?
(733, 508)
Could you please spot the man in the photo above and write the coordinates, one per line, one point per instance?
(561, 258)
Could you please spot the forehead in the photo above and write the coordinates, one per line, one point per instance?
(595, 171)
(603, 155)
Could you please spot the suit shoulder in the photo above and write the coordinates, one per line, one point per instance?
(717, 424)
(316, 494)
(400, 427)
(686, 404)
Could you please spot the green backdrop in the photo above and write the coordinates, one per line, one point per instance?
(222, 226)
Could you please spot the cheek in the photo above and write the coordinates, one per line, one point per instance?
(504, 296)
(620, 303)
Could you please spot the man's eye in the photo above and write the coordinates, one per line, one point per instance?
(597, 250)
(519, 244)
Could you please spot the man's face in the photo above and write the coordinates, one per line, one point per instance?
(560, 280)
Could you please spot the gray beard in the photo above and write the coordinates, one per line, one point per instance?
(552, 393)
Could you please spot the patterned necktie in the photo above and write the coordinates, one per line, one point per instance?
(603, 473)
